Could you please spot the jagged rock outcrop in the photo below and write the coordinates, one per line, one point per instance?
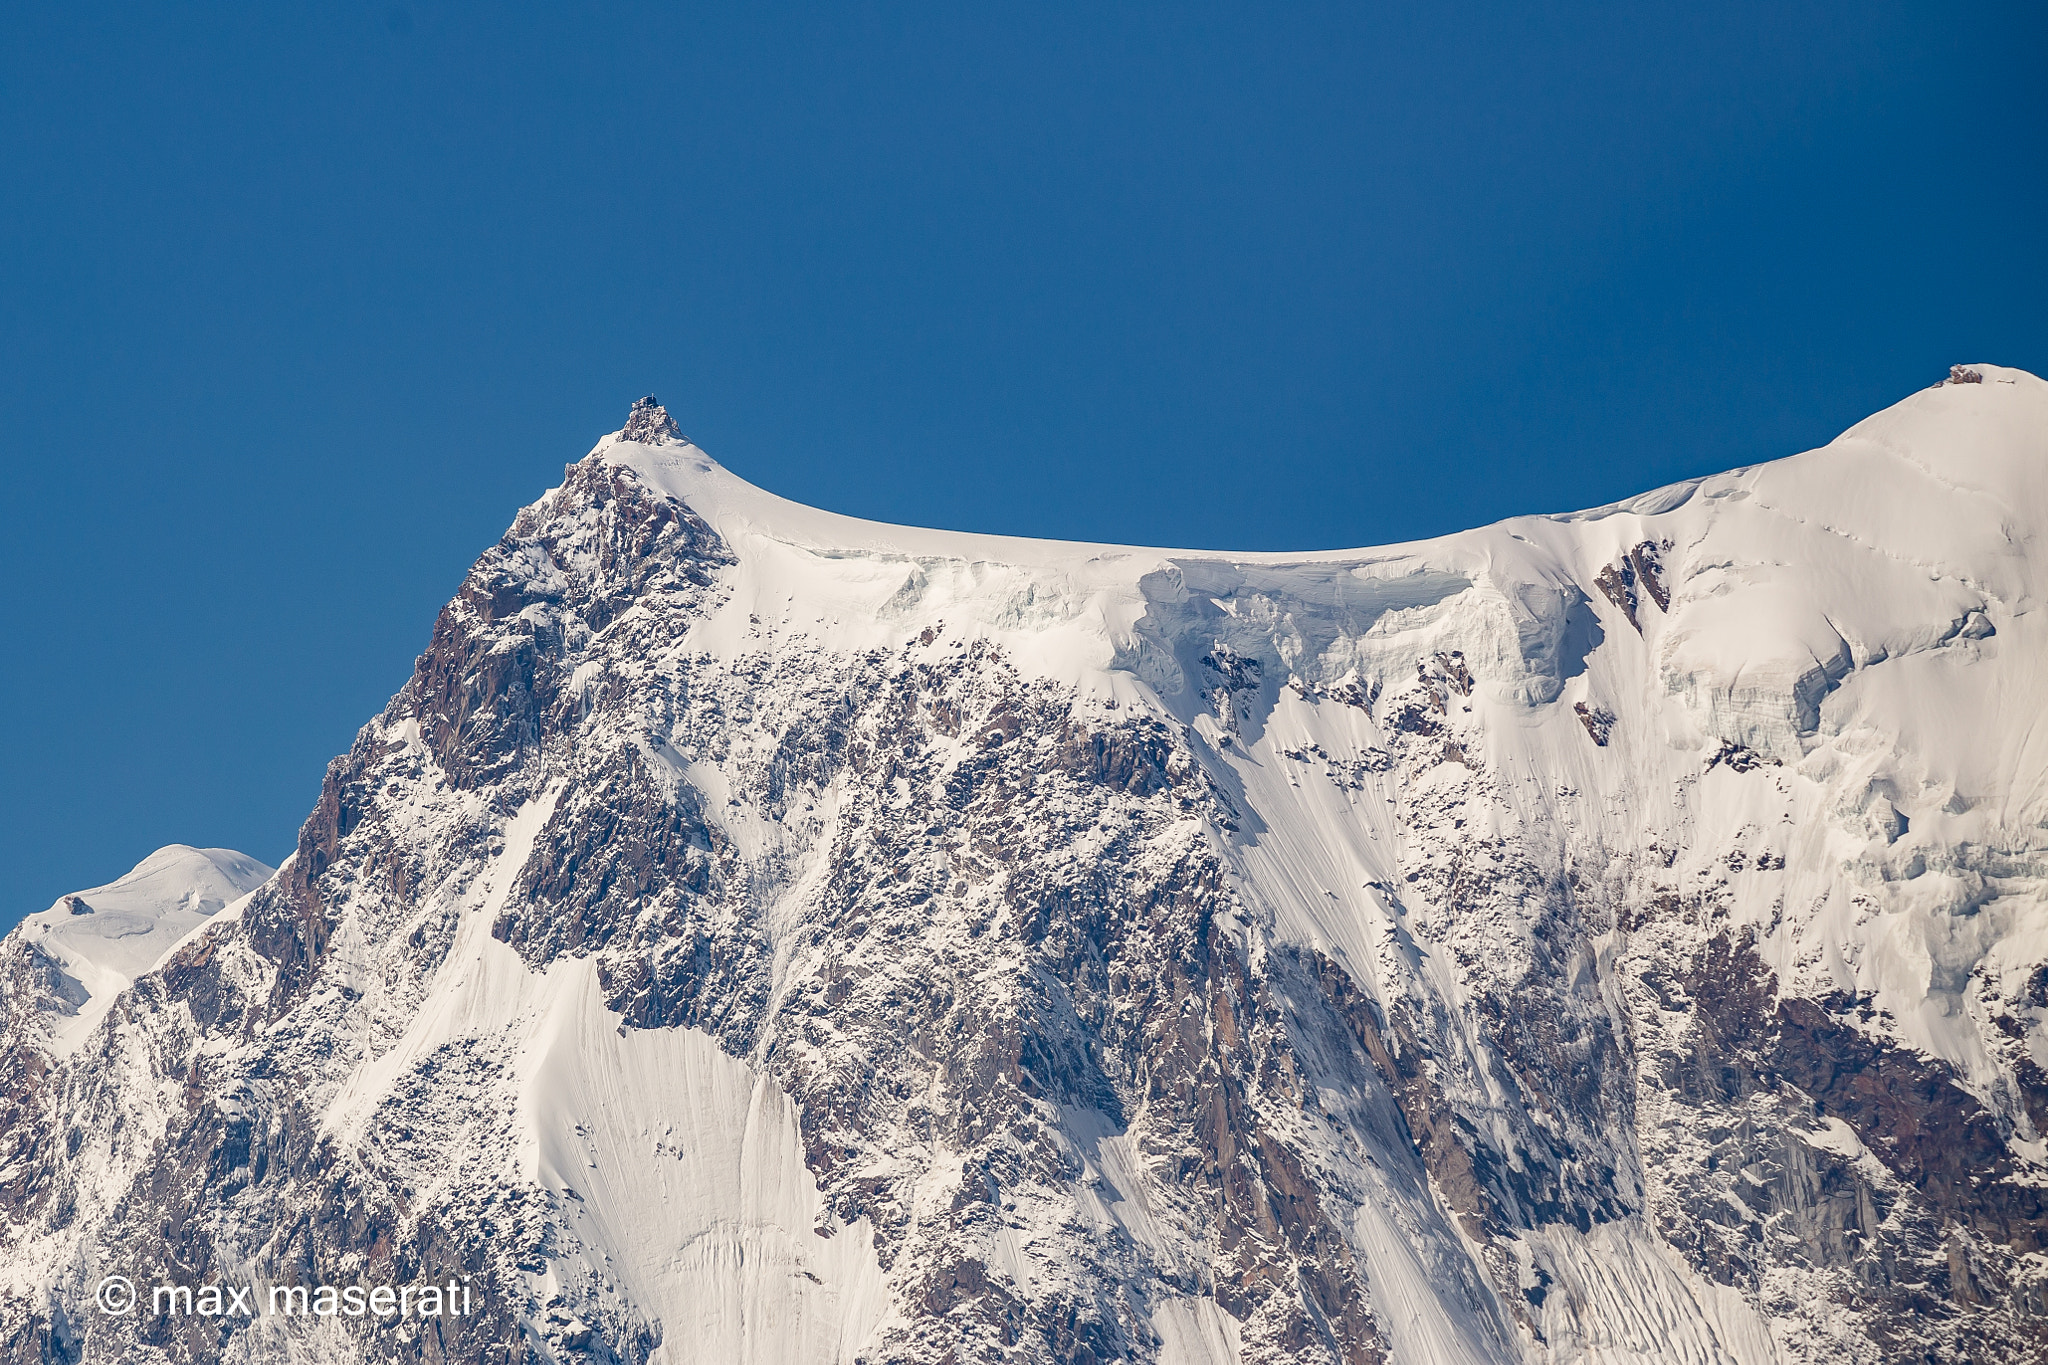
(754, 934)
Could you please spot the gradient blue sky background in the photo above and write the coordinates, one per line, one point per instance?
(299, 303)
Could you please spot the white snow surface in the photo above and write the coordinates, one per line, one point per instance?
(131, 923)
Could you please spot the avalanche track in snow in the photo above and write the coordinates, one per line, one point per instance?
(757, 935)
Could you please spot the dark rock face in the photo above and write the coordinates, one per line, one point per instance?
(1641, 568)
(1917, 1215)
(650, 424)
(1052, 1050)
(27, 1122)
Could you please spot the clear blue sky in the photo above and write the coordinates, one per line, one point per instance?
(299, 303)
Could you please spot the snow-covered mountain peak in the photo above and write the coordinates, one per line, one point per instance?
(757, 934)
(1871, 547)
(1811, 611)
(1983, 439)
(100, 939)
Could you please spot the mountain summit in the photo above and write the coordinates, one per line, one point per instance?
(650, 424)
(756, 934)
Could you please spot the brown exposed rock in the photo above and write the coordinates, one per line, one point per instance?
(1641, 566)
(1645, 559)
(1617, 584)
(650, 424)
(1599, 721)
(1951, 1192)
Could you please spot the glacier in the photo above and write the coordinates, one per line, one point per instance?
(757, 934)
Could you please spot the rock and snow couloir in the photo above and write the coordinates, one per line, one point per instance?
(755, 934)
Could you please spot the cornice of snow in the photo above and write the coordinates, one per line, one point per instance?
(1975, 438)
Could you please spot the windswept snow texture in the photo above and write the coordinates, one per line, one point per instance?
(755, 934)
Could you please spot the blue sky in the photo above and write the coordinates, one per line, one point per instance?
(299, 303)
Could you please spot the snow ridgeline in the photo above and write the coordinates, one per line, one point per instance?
(756, 934)
(95, 942)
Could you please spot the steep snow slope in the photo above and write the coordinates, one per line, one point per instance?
(760, 934)
(100, 939)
